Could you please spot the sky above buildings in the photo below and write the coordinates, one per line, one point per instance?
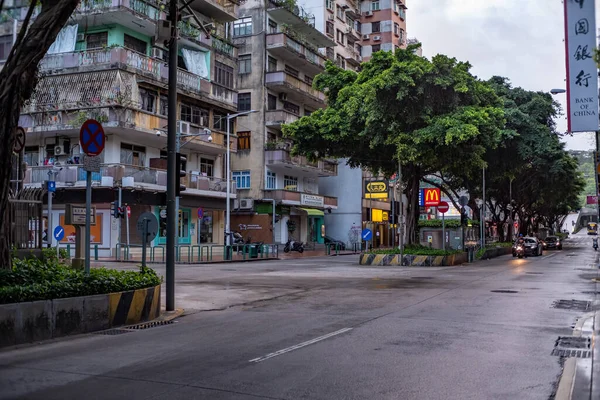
(521, 40)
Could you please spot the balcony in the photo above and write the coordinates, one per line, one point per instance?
(139, 177)
(220, 10)
(293, 50)
(352, 35)
(279, 159)
(293, 198)
(295, 88)
(276, 118)
(223, 47)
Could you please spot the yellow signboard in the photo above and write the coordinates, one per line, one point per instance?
(376, 215)
(376, 189)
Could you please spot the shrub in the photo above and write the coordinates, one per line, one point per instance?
(417, 250)
(33, 279)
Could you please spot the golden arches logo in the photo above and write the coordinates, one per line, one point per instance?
(432, 196)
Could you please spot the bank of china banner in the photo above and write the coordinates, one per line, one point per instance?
(582, 72)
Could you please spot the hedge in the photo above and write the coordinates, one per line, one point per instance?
(34, 279)
(437, 223)
(417, 250)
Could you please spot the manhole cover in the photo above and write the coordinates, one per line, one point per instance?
(534, 273)
(504, 291)
(112, 332)
(572, 346)
(578, 305)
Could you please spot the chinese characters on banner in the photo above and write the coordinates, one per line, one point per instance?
(582, 74)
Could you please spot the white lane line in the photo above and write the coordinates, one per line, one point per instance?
(299, 345)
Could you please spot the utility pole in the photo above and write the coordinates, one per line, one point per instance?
(172, 175)
(483, 213)
(401, 213)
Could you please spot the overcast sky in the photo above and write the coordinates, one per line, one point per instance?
(519, 39)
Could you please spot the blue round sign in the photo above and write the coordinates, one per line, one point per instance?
(366, 234)
(59, 233)
(200, 213)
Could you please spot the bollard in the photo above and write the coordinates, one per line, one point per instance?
(96, 252)
(69, 249)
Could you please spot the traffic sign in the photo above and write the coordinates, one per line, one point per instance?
(128, 212)
(366, 234)
(443, 207)
(91, 137)
(147, 222)
(200, 213)
(19, 140)
(59, 233)
(51, 186)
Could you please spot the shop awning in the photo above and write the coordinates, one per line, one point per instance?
(313, 212)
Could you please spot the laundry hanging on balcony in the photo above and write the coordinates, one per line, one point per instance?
(195, 62)
(65, 40)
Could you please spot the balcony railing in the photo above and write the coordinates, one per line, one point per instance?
(277, 154)
(283, 78)
(294, 196)
(296, 45)
(280, 117)
(223, 47)
(145, 8)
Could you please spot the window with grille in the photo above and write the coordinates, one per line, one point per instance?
(271, 64)
(339, 12)
(292, 71)
(207, 166)
(31, 156)
(164, 105)
(135, 44)
(375, 27)
(329, 28)
(290, 183)
(5, 46)
(271, 102)
(96, 40)
(133, 155)
(308, 80)
(242, 27)
(330, 53)
(375, 5)
(243, 141)
(375, 47)
(242, 179)
(271, 180)
(245, 64)
(148, 100)
(272, 26)
(224, 75)
(244, 101)
(219, 121)
(291, 107)
(329, 4)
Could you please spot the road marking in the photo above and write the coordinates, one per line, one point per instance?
(299, 345)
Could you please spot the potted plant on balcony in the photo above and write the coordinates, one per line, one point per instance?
(271, 145)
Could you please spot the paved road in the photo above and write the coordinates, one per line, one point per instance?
(339, 331)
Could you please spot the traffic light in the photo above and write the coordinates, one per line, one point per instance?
(180, 161)
(393, 219)
(463, 217)
(115, 210)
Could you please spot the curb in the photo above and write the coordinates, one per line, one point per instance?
(167, 316)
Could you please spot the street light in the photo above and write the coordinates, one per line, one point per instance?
(228, 184)
(557, 91)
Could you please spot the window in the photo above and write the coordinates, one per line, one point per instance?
(206, 227)
(271, 102)
(339, 36)
(244, 102)
(207, 166)
(271, 64)
(5, 45)
(307, 112)
(339, 12)
(308, 80)
(96, 40)
(272, 26)
(135, 44)
(148, 100)
(245, 64)
(133, 155)
(329, 4)
(242, 27)
(375, 47)
(219, 121)
(193, 114)
(242, 179)
(339, 60)
(375, 27)
(31, 156)
(271, 180)
(359, 49)
(330, 53)
(291, 107)
(290, 183)
(224, 75)
(358, 26)
(243, 141)
(164, 105)
(401, 35)
(292, 71)
(329, 28)
(396, 29)
(375, 5)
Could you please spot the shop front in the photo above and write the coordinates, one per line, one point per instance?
(377, 221)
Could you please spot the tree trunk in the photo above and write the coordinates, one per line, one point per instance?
(18, 79)
(413, 210)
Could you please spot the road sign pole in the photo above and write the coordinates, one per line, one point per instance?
(144, 242)
(127, 229)
(49, 222)
(88, 212)
(444, 231)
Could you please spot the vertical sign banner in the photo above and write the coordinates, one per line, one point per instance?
(582, 72)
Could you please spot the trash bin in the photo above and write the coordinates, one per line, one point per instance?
(470, 254)
(228, 253)
(254, 251)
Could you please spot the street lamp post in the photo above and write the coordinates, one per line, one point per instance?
(228, 185)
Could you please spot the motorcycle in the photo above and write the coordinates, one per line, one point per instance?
(595, 244)
(520, 251)
(292, 245)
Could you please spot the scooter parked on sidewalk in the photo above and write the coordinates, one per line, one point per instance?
(292, 245)
(595, 244)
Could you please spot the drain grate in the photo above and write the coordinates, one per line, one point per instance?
(148, 325)
(572, 346)
(578, 305)
(113, 332)
(504, 291)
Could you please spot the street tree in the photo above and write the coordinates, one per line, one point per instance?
(429, 115)
(18, 79)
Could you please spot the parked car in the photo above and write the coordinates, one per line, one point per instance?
(552, 242)
(532, 247)
(334, 242)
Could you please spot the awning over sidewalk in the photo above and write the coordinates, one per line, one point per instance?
(313, 212)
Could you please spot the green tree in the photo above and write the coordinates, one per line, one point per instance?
(431, 115)
(18, 79)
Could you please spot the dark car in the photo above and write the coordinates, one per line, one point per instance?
(531, 245)
(334, 242)
(552, 242)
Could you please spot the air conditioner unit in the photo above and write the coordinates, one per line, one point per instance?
(246, 204)
(369, 14)
(80, 37)
(283, 96)
(330, 17)
(59, 151)
(366, 37)
(376, 38)
(184, 128)
(163, 29)
(157, 53)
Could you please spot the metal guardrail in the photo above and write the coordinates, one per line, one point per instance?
(190, 254)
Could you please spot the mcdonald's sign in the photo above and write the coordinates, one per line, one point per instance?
(431, 197)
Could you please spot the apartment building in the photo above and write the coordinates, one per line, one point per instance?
(279, 55)
(109, 63)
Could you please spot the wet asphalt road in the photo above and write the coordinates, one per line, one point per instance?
(345, 332)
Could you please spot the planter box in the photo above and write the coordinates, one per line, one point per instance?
(412, 260)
